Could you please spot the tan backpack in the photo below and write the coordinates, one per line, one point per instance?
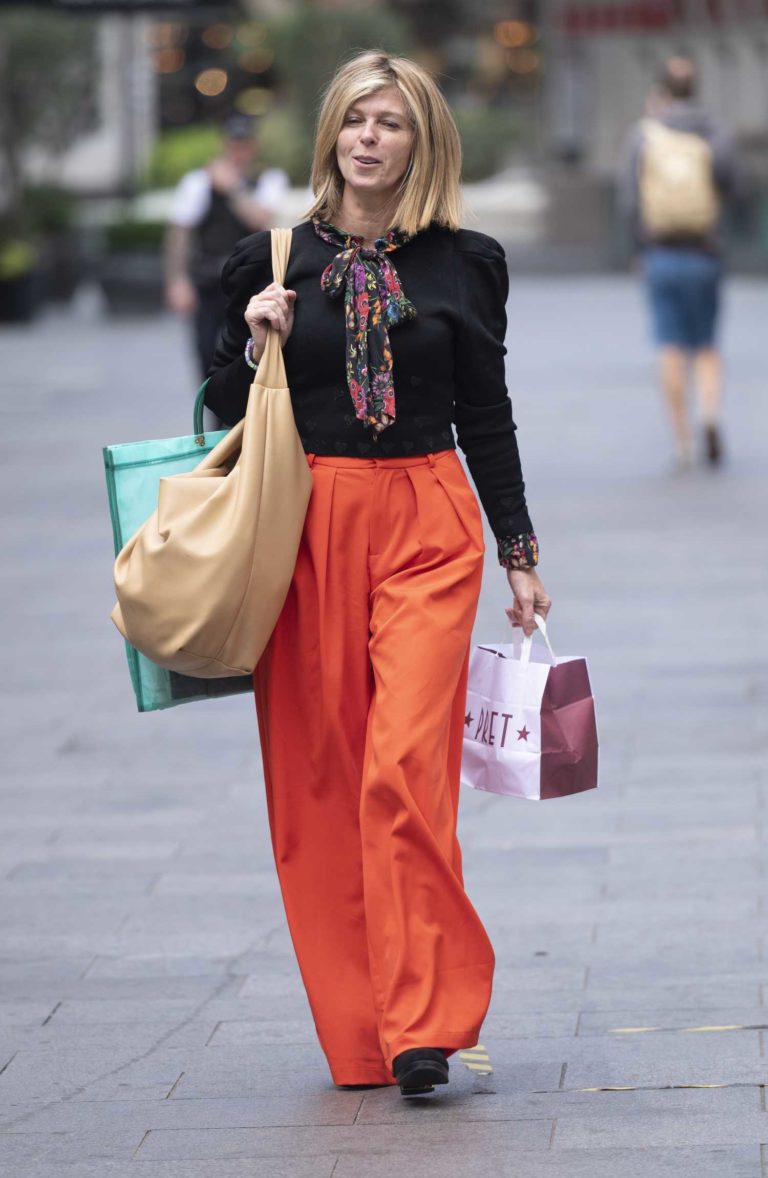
(676, 182)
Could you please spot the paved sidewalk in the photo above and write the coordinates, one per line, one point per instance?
(152, 1020)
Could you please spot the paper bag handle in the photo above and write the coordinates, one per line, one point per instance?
(527, 641)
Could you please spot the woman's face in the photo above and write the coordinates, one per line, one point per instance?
(374, 145)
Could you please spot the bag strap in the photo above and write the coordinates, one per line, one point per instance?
(281, 248)
(526, 643)
(271, 373)
(197, 414)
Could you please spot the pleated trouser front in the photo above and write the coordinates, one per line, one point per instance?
(360, 697)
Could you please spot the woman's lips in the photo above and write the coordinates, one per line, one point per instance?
(365, 163)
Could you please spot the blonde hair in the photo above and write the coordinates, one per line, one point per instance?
(430, 189)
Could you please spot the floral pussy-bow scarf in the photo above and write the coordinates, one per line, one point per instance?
(373, 302)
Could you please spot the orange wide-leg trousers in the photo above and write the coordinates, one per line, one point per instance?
(360, 696)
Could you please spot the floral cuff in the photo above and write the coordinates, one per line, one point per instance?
(519, 552)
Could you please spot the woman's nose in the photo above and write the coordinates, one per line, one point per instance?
(368, 133)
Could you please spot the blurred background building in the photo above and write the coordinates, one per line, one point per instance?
(104, 104)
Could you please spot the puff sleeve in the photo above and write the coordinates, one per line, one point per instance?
(248, 271)
(485, 429)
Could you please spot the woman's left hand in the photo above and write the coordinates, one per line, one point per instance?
(530, 597)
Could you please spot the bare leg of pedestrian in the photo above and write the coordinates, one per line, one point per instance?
(708, 377)
(672, 376)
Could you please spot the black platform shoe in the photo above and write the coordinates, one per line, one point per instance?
(419, 1069)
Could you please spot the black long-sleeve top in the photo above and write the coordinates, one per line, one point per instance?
(448, 362)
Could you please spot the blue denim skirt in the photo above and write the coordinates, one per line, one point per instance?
(684, 293)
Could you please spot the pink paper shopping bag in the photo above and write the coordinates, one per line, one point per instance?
(530, 728)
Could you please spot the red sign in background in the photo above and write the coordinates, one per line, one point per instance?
(649, 16)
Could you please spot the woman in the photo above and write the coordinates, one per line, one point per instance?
(392, 320)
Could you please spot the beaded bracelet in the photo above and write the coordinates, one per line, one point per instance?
(249, 354)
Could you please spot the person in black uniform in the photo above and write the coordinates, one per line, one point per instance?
(392, 320)
(214, 207)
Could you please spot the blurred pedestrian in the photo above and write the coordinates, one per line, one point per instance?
(392, 320)
(213, 208)
(679, 171)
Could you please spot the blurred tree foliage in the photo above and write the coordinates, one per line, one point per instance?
(286, 142)
(489, 135)
(131, 235)
(47, 72)
(48, 208)
(176, 152)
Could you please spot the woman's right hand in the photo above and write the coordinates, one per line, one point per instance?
(273, 306)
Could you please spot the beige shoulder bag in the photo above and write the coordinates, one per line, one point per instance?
(201, 584)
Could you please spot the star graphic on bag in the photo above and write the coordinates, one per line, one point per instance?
(523, 733)
(468, 719)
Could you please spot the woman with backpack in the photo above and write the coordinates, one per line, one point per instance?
(679, 170)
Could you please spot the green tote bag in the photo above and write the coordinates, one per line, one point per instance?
(133, 471)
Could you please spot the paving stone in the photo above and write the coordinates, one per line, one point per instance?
(24, 1014)
(77, 884)
(47, 970)
(40, 1075)
(140, 968)
(539, 977)
(351, 1140)
(601, 1022)
(629, 1052)
(623, 905)
(23, 942)
(56, 912)
(261, 885)
(503, 1023)
(264, 1033)
(102, 850)
(18, 1149)
(129, 1038)
(98, 1073)
(657, 1129)
(294, 1167)
(332, 1106)
(96, 989)
(727, 1162)
(676, 974)
(105, 1011)
(70, 870)
(686, 952)
(655, 1071)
